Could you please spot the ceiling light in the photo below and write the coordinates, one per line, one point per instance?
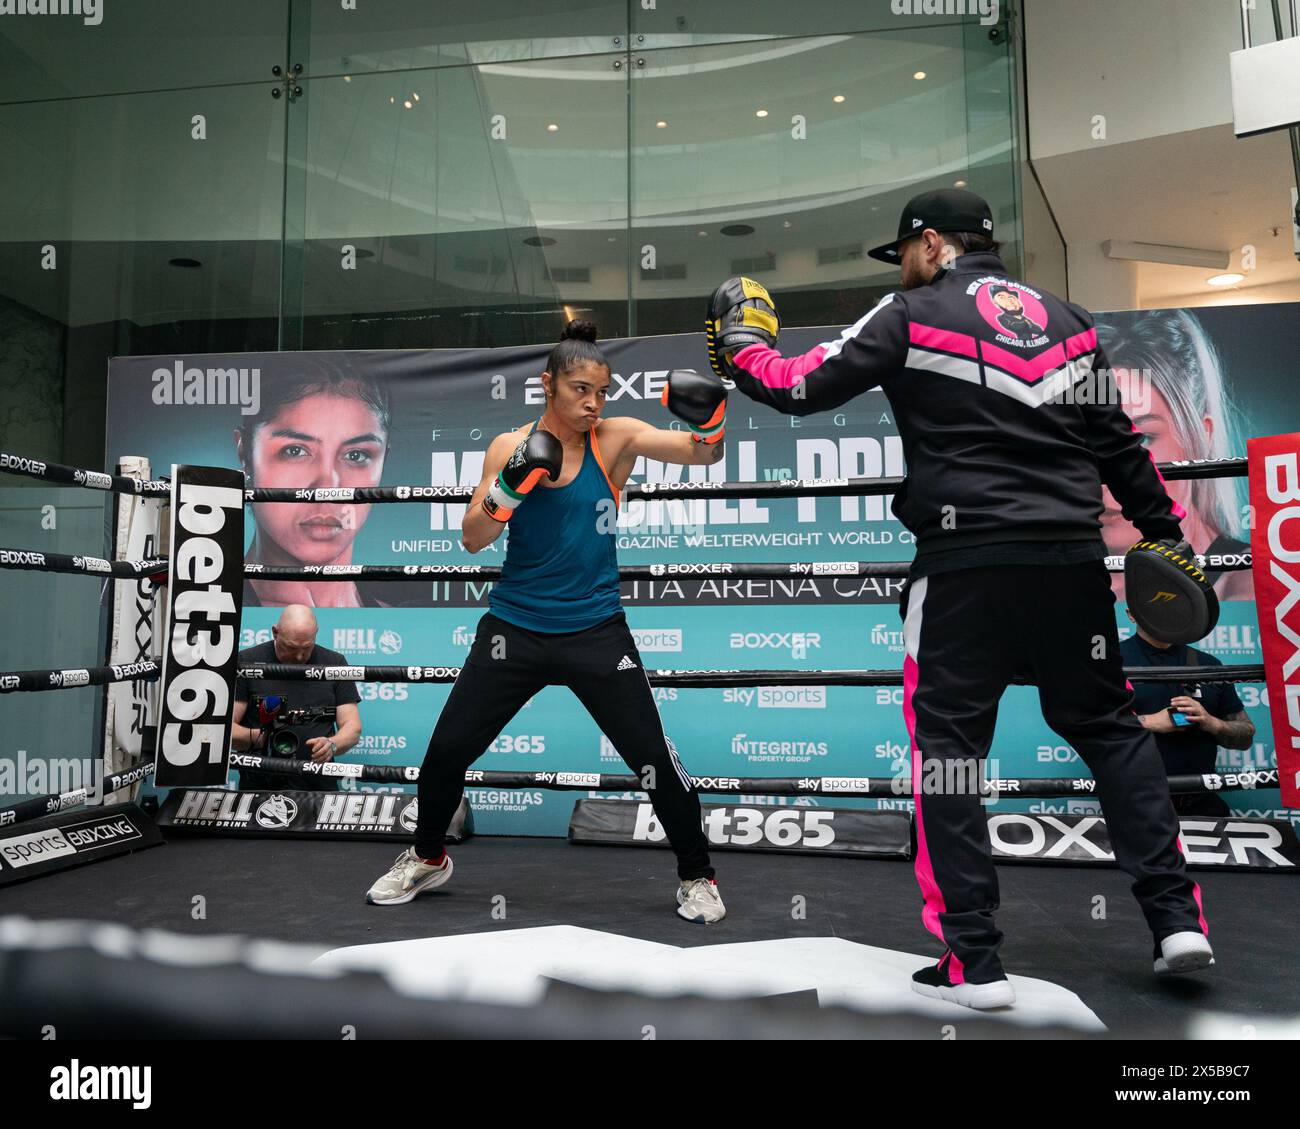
(416, 97)
(1224, 279)
(407, 103)
(838, 98)
(786, 223)
(959, 184)
(661, 125)
(552, 128)
(919, 75)
(760, 113)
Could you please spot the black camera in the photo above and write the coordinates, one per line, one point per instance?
(277, 722)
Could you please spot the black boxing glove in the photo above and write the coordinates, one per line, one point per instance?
(741, 312)
(700, 400)
(540, 454)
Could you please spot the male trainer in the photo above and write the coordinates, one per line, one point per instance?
(1010, 427)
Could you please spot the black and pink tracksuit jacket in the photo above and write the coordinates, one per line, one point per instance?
(1006, 407)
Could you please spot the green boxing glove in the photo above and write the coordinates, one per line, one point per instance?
(539, 454)
(700, 400)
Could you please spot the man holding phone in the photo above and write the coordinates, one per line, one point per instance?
(1190, 721)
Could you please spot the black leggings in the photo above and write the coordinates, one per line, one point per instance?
(508, 665)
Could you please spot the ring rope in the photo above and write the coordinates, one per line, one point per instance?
(292, 672)
(840, 786)
(675, 491)
(156, 567)
(29, 681)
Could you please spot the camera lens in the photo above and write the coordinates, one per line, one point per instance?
(284, 743)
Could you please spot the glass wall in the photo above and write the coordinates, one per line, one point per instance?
(182, 176)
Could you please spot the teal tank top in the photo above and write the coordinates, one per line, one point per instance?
(561, 572)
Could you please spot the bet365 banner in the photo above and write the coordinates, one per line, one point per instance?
(204, 587)
(424, 419)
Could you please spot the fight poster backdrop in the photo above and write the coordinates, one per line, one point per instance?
(1213, 377)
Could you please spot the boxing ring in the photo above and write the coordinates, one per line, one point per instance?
(534, 933)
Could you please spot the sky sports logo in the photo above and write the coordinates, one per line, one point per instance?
(778, 697)
(70, 839)
(658, 639)
(90, 11)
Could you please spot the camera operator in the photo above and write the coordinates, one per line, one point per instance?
(293, 640)
(1190, 722)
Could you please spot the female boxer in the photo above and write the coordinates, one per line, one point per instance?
(555, 617)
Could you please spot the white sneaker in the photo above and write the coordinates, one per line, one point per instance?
(1184, 952)
(933, 981)
(699, 901)
(410, 875)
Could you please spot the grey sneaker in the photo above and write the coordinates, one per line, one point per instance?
(1184, 952)
(410, 875)
(699, 902)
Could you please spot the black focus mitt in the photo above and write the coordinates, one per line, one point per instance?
(741, 313)
(1171, 599)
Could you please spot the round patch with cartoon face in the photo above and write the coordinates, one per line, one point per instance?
(1015, 315)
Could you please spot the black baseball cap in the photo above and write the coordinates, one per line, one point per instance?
(943, 209)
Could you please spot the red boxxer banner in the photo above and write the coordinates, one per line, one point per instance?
(1275, 543)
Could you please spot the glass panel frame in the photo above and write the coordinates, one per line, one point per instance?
(489, 227)
(415, 35)
(139, 46)
(796, 196)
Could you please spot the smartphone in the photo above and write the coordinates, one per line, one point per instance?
(1180, 691)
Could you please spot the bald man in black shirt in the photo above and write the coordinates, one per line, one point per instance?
(294, 641)
(1211, 715)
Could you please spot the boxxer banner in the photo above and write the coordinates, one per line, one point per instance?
(204, 588)
(1275, 498)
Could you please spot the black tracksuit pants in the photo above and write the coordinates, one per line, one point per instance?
(506, 666)
(967, 634)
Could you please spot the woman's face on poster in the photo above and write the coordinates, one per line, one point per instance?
(321, 441)
(1153, 419)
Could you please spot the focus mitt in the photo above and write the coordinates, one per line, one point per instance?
(741, 312)
(1171, 599)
